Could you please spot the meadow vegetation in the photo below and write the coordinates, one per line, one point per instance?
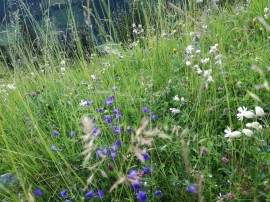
(175, 108)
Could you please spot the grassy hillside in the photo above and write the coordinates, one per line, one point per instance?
(177, 112)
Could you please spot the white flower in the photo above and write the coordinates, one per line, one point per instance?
(189, 49)
(188, 63)
(218, 62)
(11, 86)
(230, 134)
(199, 71)
(83, 103)
(205, 60)
(243, 112)
(214, 49)
(176, 98)
(247, 132)
(63, 62)
(207, 73)
(199, 1)
(93, 76)
(183, 100)
(210, 79)
(259, 111)
(198, 51)
(255, 125)
(63, 69)
(174, 110)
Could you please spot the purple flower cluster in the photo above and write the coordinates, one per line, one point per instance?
(91, 194)
(111, 152)
(137, 184)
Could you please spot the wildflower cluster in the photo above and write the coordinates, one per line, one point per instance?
(250, 127)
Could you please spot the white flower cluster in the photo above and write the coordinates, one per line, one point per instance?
(250, 127)
(266, 12)
(137, 30)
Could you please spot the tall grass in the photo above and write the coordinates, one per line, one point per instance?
(167, 92)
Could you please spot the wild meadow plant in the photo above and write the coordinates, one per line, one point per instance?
(177, 112)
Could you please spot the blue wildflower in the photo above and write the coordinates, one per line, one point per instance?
(88, 103)
(55, 133)
(72, 133)
(53, 148)
(136, 186)
(192, 189)
(106, 151)
(100, 110)
(118, 143)
(158, 193)
(109, 101)
(117, 130)
(113, 155)
(63, 193)
(67, 200)
(38, 192)
(147, 169)
(153, 116)
(90, 194)
(146, 157)
(114, 147)
(99, 153)
(115, 88)
(132, 174)
(95, 131)
(145, 110)
(108, 119)
(142, 196)
(100, 193)
(129, 129)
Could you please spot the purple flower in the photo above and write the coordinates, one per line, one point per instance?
(146, 157)
(142, 196)
(129, 129)
(117, 113)
(117, 130)
(153, 116)
(106, 151)
(204, 150)
(158, 193)
(136, 186)
(53, 148)
(132, 174)
(118, 143)
(145, 110)
(55, 133)
(88, 103)
(72, 133)
(224, 160)
(113, 155)
(99, 153)
(109, 101)
(114, 147)
(192, 189)
(63, 193)
(115, 88)
(90, 194)
(67, 200)
(147, 170)
(38, 192)
(95, 131)
(108, 119)
(100, 110)
(100, 193)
